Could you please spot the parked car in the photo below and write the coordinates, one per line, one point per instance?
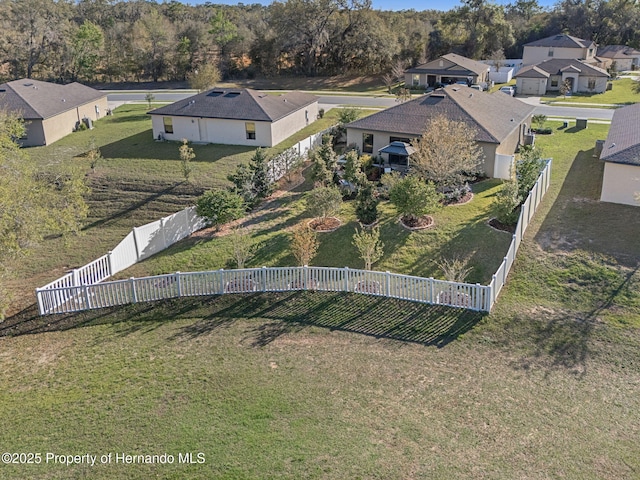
(508, 90)
(477, 87)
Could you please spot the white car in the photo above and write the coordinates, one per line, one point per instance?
(508, 90)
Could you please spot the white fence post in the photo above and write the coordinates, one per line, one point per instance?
(110, 260)
(75, 277)
(179, 284)
(221, 272)
(263, 279)
(388, 283)
(134, 295)
(85, 291)
(136, 242)
(346, 279)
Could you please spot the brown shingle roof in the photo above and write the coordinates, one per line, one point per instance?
(493, 116)
(234, 104)
(34, 99)
(623, 142)
(617, 51)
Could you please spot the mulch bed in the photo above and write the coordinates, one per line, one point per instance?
(420, 223)
(461, 201)
(328, 224)
(496, 225)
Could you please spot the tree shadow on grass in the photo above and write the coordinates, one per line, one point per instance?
(278, 314)
(561, 339)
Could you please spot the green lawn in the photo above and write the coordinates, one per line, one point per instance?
(624, 92)
(334, 386)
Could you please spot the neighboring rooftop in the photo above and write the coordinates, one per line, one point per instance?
(238, 104)
(494, 116)
(556, 66)
(561, 40)
(34, 99)
(623, 142)
(618, 51)
(471, 65)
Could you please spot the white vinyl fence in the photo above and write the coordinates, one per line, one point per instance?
(82, 289)
(274, 279)
(280, 164)
(527, 210)
(140, 243)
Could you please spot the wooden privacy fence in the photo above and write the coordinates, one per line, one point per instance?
(272, 279)
(84, 288)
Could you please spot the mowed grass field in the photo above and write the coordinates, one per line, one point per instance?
(333, 386)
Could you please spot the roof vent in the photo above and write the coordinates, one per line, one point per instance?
(28, 84)
(63, 100)
(215, 93)
(232, 94)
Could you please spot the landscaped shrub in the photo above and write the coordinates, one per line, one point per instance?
(367, 205)
(528, 168)
(324, 202)
(506, 203)
(369, 246)
(220, 206)
(303, 243)
(414, 198)
(456, 193)
(252, 182)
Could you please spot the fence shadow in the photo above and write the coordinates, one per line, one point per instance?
(276, 314)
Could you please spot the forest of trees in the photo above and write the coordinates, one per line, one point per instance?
(115, 41)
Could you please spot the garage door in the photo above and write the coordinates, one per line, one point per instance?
(530, 86)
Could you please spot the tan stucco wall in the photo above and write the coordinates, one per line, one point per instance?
(583, 84)
(534, 55)
(233, 132)
(382, 139)
(287, 126)
(49, 130)
(620, 183)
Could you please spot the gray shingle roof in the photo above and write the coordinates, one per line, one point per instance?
(493, 116)
(617, 51)
(557, 65)
(561, 41)
(623, 142)
(471, 66)
(34, 99)
(234, 104)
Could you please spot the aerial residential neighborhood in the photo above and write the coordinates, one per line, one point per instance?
(320, 240)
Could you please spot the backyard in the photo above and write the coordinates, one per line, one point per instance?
(322, 385)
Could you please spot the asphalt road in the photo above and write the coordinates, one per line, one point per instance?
(327, 101)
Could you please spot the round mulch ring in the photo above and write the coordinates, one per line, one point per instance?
(501, 227)
(369, 225)
(325, 225)
(461, 201)
(420, 223)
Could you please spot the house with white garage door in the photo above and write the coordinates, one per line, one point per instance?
(621, 156)
(550, 75)
(235, 117)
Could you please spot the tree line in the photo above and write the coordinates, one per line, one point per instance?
(139, 40)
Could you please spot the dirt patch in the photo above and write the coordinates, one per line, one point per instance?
(496, 225)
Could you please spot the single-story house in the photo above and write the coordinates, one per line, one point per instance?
(548, 76)
(450, 68)
(50, 110)
(500, 121)
(621, 156)
(235, 117)
(561, 46)
(625, 58)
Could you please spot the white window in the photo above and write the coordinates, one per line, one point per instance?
(168, 124)
(250, 128)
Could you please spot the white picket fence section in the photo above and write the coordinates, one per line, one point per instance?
(139, 244)
(82, 289)
(273, 279)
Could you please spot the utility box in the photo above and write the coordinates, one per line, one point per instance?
(598, 148)
(581, 123)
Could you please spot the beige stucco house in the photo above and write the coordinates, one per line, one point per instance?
(51, 111)
(235, 117)
(450, 68)
(550, 75)
(500, 121)
(624, 58)
(621, 156)
(561, 46)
